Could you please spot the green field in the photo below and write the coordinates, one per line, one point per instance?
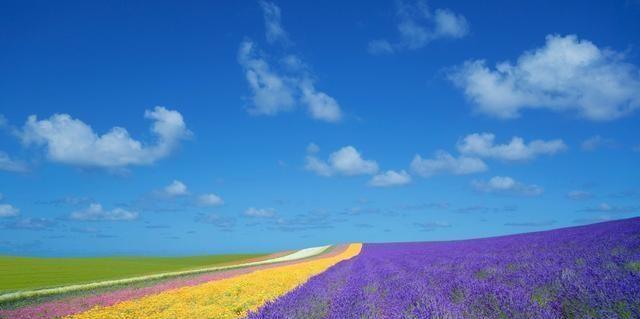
(22, 273)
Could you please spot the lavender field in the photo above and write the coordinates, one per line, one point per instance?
(582, 272)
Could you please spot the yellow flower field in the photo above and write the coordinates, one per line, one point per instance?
(222, 299)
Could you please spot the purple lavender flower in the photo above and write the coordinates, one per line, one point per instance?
(581, 272)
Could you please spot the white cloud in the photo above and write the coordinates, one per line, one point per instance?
(348, 161)
(345, 161)
(71, 141)
(95, 212)
(390, 178)
(579, 195)
(210, 200)
(176, 188)
(445, 163)
(272, 92)
(11, 165)
(507, 185)
(566, 74)
(320, 105)
(273, 24)
(280, 88)
(260, 212)
(595, 142)
(7, 210)
(318, 166)
(418, 25)
(276, 91)
(483, 145)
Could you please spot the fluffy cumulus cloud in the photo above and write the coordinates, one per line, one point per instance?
(176, 188)
(71, 141)
(390, 178)
(260, 212)
(280, 87)
(418, 25)
(445, 163)
(95, 212)
(566, 74)
(210, 200)
(483, 145)
(11, 165)
(7, 210)
(345, 161)
(507, 185)
(349, 161)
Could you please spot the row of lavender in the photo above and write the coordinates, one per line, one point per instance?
(582, 272)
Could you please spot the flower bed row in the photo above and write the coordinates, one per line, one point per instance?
(76, 304)
(226, 298)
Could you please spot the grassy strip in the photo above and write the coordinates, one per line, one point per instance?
(21, 295)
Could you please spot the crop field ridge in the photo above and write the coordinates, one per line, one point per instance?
(227, 263)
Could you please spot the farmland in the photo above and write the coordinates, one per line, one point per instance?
(17, 273)
(26, 304)
(588, 271)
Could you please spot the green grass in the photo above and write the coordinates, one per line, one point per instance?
(26, 273)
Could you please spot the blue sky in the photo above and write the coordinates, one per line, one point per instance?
(202, 127)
